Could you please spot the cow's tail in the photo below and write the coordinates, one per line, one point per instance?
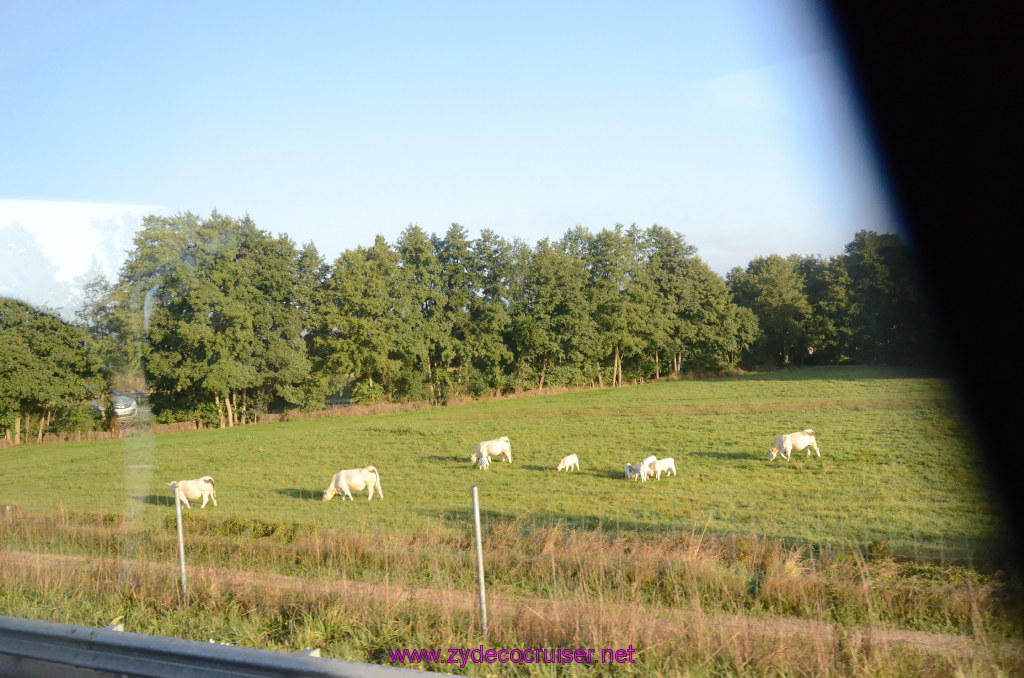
(376, 482)
(808, 431)
(209, 480)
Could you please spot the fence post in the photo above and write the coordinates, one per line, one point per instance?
(181, 544)
(479, 562)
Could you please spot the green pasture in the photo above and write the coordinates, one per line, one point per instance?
(899, 465)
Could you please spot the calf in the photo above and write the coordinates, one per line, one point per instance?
(568, 462)
(793, 442)
(194, 489)
(354, 479)
(632, 472)
(648, 468)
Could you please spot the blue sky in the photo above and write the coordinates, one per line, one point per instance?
(730, 122)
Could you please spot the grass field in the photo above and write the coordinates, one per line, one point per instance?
(893, 526)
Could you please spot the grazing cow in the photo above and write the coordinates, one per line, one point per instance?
(194, 489)
(568, 462)
(632, 472)
(667, 464)
(354, 479)
(648, 468)
(493, 448)
(794, 442)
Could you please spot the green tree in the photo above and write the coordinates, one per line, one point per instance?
(424, 338)
(219, 306)
(554, 331)
(361, 316)
(888, 311)
(496, 266)
(773, 289)
(619, 304)
(48, 369)
(827, 285)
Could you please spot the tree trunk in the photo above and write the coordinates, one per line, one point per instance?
(17, 430)
(42, 420)
(220, 411)
(617, 369)
(600, 379)
(657, 366)
(543, 369)
(227, 406)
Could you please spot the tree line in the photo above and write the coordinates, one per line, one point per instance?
(227, 322)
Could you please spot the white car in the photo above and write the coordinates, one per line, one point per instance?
(124, 406)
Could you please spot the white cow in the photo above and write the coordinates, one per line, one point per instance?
(194, 489)
(667, 464)
(568, 462)
(354, 479)
(648, 468)
(493, 448)
(632, 472)
(794, 442)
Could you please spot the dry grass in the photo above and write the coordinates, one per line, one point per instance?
(288, 613)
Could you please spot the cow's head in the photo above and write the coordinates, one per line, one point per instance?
(772, 453)
(329, 492)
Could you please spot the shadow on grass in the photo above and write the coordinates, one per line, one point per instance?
(301, 493)
(844, 373)
(616, 473)
(532, 520)
(462, 461)
(155, 499)
(723, 454)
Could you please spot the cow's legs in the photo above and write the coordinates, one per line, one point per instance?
(347, 493)
(815, 447)
(184, 500)
(206, 498)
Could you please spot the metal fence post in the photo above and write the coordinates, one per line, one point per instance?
(181, 544)
(479, 562)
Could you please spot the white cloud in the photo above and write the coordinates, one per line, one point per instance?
(71, 240)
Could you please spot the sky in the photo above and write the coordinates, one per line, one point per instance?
(733, 123)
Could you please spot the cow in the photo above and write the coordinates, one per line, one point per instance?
(493, 448)
(354, 479)
(648, 468)
(568, 462)
(664, 465)
(194, 489)
(484, 462)
(632, 472)
(793, 442)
